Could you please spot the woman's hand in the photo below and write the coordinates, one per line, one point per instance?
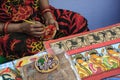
(52, 21)
(49, 20)
(35, 29)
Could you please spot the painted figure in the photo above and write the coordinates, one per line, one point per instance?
(81, 65)
(92, 39)
(94, 65)
(117, 31)
(109, 35)
(80, 41)
(113, 52)
(101, 36)
(71, 44)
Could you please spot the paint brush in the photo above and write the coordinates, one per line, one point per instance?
(29, 22)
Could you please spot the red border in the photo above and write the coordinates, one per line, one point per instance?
(103, 75)
(47, 43)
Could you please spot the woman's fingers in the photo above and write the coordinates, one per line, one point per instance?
(57, 26)
(52, 22)
(37, 29)
(37, 33)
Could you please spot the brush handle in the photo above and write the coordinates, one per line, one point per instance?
(29, 22)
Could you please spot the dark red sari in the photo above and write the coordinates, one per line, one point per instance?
(16, 45)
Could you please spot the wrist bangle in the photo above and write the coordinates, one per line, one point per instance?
(47, 7)
(5, 27)
(45, 10)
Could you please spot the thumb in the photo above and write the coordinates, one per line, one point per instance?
(56, 25)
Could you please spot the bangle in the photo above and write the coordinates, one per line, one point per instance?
(5, 27)
(47, 7)
(45, 10)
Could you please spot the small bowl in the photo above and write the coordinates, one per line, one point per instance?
(47, 63)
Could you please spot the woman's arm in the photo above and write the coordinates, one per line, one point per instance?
(48, 16)
(35, 30)
(12, 27)
(44, 4)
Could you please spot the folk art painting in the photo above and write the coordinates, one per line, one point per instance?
(95, 55)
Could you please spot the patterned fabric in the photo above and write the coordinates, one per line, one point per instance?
(18, 10)
(16, 45)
